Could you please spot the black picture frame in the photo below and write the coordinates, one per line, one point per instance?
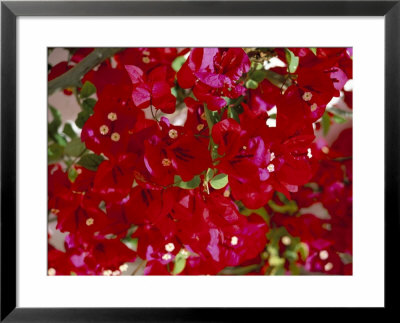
(10, 10)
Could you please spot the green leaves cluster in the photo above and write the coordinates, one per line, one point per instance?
(256, 75)
(67, 145)
(87, 104)
(278, 257)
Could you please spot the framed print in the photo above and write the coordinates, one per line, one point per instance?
(190, 160)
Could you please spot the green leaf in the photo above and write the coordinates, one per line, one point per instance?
(346, 258)
(251, 84)
(276, 261)
(83, 116)
(59, 139)
(75, 147)
(179, 265)
(87, 89)
(341, 113)
(292, 61)
(258, 76)
(69, 131)
(209, 174)
(177, 63)
(54, 152)
(131, 243)
(72, 174)
(290, 255)
(90, 161)
(180, 261)
(232, 113)
(326, 123)
(193, 183)
(174, 91)
(55, 123)
(88, 105)
(302, 248)
(339, 119)
(212, 117)
(314, 50)
(219, 181)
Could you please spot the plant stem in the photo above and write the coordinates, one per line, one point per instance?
(141, 264)
(72, 78)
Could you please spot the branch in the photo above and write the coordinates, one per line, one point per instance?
(72, 78)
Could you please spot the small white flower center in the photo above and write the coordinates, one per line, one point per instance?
(328, 266)
(309, 154)
(89, 222)
(51, 272)
(184, 252)
(286, 240)
(234, 240)
(307, 96)
(115, 136)
(170, 247)
(107, 272)
(313, 107)
(166, 256)
(166, 162)
(123, 267)
(104, 129)
(173, 134)
(271, 168)
(112, 116)
(323, 254)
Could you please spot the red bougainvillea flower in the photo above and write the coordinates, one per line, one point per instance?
(108, 130)
(210, 230)
(152, 89)
(196, 121)
(170, 152)
(114, 178)
(199, 195)
(59, 262)
(58, 185)
(97, 255)
(324, 258)
(106, 76)
(264, 98)
(213, 73)
(306, 226)
(80, 212)
(148, 59)
(258, 158)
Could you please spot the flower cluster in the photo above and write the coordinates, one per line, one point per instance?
(204, 161)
